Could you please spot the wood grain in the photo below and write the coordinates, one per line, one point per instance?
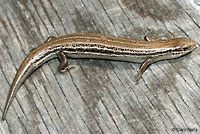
(100, 96)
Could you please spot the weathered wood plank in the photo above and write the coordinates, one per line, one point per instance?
(100, 96)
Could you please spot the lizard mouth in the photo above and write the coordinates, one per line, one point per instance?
(185, 50)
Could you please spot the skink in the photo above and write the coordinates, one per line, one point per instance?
(85, 45)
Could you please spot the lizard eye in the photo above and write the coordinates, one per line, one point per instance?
(185, 48)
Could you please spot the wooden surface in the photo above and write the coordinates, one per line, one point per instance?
(100, 96)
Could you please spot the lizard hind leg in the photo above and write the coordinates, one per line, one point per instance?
(64, 65)
(50, 38)
(143, 67)
(147, 38)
